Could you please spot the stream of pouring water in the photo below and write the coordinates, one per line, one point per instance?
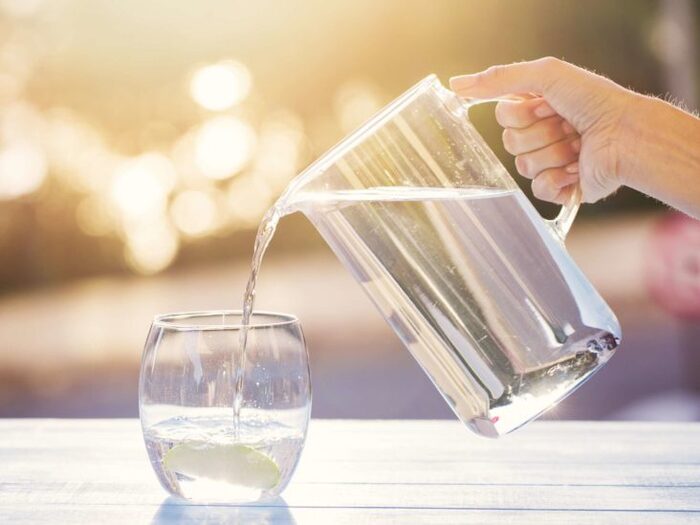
(266, 230)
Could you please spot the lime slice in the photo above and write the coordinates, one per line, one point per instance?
(234, 464)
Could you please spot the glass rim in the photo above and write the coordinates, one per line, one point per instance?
(170, 320)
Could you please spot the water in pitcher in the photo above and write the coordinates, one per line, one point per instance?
(477, 287)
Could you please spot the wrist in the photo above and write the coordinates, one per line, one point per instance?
(659, 153)
(631, 141)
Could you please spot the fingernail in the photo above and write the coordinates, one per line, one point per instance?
(576, 145)
(568, 128)
(572, 168)
(544, 110)
(462, 81)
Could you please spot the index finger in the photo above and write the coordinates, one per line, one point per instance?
(496, 81)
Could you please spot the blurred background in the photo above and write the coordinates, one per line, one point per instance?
(141, 142)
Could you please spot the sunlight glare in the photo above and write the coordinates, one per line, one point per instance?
(248, 198)
(151, 247)
(223, 147)
(20, 8)
(141, 185)
(23, 169)
(93, 217)
(355, 102)
(279, 150)
(220, 86)
(194, 213)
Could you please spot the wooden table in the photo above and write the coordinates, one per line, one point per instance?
(96, 472)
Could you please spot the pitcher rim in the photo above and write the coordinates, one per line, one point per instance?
(356, 136)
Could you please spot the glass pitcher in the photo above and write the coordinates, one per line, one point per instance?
(478, 286)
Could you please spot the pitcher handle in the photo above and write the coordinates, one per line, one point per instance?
(561, 224)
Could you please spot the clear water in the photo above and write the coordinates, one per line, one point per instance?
(475, 284)
(262, 240)
(281, 443)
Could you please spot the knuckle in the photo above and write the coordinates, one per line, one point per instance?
(551, 69)
(496, 72)
(549, 63)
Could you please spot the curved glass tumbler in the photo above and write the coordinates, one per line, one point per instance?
(186, 394)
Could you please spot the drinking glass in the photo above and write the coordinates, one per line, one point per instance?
(186, 398)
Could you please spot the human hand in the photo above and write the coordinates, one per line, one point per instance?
(567, 128)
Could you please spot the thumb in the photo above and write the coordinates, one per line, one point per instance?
(535, 76)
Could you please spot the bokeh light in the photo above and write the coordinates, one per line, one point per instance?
(77, 153)
(22, 169)
(151, 246)
(20, 8)
(10, 87)
(20, 121)
(223, 146)
(141, 185)
(355, 102)
(220, 86)
(93, 216)
(16, 64)
(248, 197)
(280, 145)
(194, 212)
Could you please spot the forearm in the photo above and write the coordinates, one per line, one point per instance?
(662, 158)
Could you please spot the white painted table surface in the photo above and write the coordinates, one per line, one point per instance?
(354, 471)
